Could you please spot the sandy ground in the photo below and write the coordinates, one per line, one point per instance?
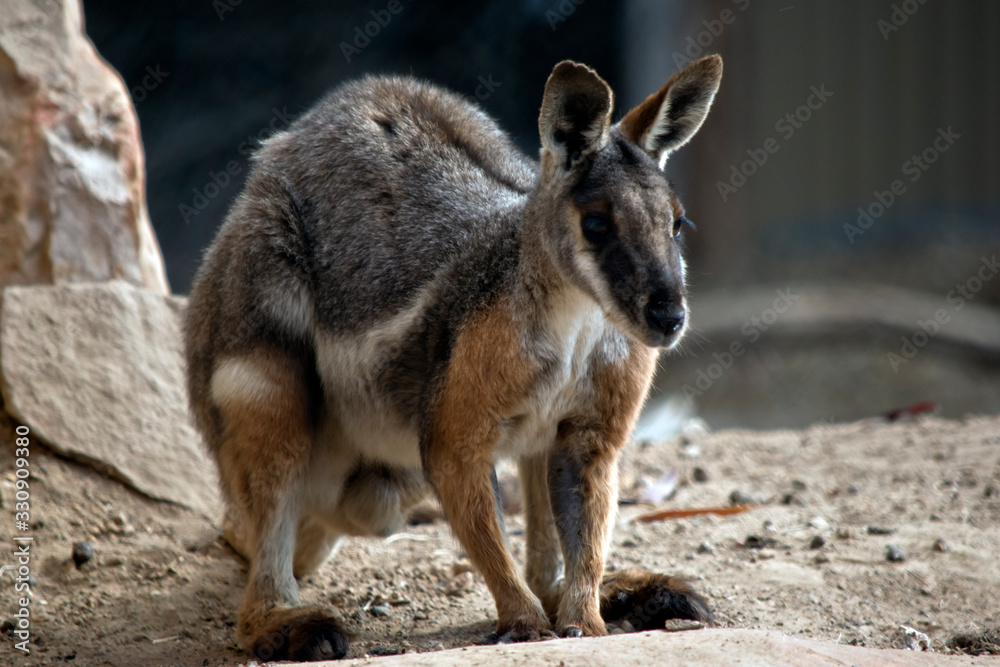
(162, 588)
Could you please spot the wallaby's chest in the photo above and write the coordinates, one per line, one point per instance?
(372, 421)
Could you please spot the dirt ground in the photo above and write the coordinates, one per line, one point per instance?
(162, 588)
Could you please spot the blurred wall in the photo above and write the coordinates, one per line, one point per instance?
(825, 107)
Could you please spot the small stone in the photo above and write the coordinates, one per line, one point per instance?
(436, 646)
(819, 523)
(699, 474)
(991, 491)
(880, 530)
(705, 548)
(792, 499)
(935, 517)
(380, 611)
(627, 627)
(628, 542)
(7, 627)
(682, 624)
(940, 545)
(843, 533)
(817, 542)
(83, 552)
(737, 497)
(895, 554)
(420, 615)
(821, 558)
(799, 485)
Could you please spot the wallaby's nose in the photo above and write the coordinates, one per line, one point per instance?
(664, 314)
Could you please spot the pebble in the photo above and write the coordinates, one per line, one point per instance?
(940, 545)
(83, 552)
(705, 548)
(819, 523)
(821, 558)
(380, 611)
(894, 553)
(420, 615)
(699, 474)
(817, 542)
(843, 533)
(681, 624)
(880, 530)
(737, 497)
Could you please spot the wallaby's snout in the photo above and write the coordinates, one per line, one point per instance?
(665, 313)
(618, 220)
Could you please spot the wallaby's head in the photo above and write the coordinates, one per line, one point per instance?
(610, 219)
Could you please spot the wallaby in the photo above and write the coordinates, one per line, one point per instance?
(399, 298)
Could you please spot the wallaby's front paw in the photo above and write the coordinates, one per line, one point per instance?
(647, 600)
(303, 634)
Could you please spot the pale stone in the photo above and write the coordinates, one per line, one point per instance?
(97, 373)
(72, 170)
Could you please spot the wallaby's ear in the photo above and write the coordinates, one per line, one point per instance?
(671, 116)
(576, 114)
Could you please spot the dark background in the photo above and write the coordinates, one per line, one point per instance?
(899, 73)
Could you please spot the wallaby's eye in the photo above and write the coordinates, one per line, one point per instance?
(680, 223)
(597, 228)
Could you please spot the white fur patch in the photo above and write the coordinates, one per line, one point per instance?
(349, 366)
(239, 380)
(576, 326)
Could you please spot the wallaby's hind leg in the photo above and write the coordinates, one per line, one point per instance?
(269, 432)
(543, 561)
(315, 543)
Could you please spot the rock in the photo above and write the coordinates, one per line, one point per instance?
(910, 639)
(819, 523)
(940, 545)
(72, 170)
(682, 624)
(817, 542)
(83, 552)
(710, 646)
(705, 548)
(380, 611)
(895, 554)
(880, 530)
(843, 533)
(96, 372)
(699, 474)
(738, 497)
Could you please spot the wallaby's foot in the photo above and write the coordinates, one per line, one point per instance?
(580, 618)
(648, 600)
(527, 628)
(296, 633)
